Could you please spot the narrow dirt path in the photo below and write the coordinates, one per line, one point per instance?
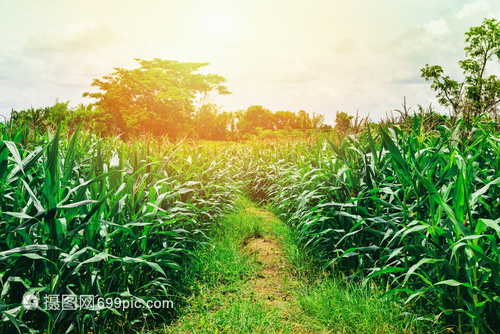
(274, 282)
(271, 281)
(260, 301)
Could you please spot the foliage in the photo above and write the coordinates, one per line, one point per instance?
(342, 123)
(59, 115)
(254, 117)
(428, 119)
(211, 124)
(412, 204)
(416, 211)
(41, 118)
(348, 125)
(478, 93)
(158, 97)
(98, 217)
(207, 122)
(258, 122)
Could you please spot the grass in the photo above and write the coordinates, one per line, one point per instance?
(221, 300)
(339, 305)
(220, 260)
(225, 314)
(351, 308)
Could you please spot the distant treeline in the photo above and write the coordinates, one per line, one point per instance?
(205, 123)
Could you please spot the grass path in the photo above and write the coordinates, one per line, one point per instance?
(273, 278)
(254, 278)
(242, 282)
(275, 283)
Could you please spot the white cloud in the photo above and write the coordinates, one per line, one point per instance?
(60, 62)
(472, 8)
(318, 56)
(437, 27)
(296, 73)
(81, 36)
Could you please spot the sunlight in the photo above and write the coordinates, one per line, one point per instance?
(217, 25)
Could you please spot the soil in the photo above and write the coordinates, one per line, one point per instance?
(274, 279)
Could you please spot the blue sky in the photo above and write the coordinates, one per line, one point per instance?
(315, 55)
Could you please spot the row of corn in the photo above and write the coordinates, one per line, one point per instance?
(86, 216)
(417, 211)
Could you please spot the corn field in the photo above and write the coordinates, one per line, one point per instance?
(90, 216)
(416, 211)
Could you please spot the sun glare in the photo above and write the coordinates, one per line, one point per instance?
(216, 25)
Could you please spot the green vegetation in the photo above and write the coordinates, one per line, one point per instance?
(398, 222)
(203, 122)
(87, 216)
(222, 301)
(331, 303)
(157, 97)
(414, 211)
(167, 98)
(479, 93)
(223, 280)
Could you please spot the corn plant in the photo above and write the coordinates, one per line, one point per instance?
(416, 210)
(99, 217)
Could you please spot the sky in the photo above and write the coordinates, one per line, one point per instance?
(320, 56)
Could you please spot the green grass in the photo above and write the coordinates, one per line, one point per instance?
(220, 300)
(220, 260)
(348, 307)
(229, 314)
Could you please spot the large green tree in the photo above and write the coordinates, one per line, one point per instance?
(282, 119)
(211, 123)
(157, 98)
(479, 92)
(255, 117)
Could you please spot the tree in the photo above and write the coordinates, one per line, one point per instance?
(59, 112)
(158, 97)
(210, 123)
(343, 123)
(317, 121)
(254, 117)
(36, 118)
(304, 120)
(82, 114)
(41, 118)
(282, 119)
(478, 93)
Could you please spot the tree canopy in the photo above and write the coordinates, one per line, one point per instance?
(158, 97)
(479, 92)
